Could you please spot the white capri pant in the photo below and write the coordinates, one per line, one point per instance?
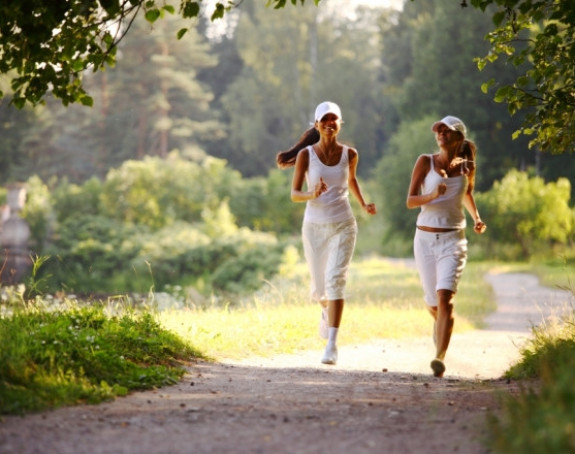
(440, 259)
(328, 249)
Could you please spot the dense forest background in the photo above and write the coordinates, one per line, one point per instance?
(170, 178)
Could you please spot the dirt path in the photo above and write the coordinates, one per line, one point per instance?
(380, 398)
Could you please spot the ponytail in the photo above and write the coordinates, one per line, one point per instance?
(285, 159)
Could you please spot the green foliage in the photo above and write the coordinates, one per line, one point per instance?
(88, 251)
(54, 358)
(72, 200)
(264, 204)
(420, 84)
(540, 418)
(15, 125)
(271, 101)
(37, 212)
(126, 234)
(536, 38)
(156, 192)
(528, 212)
(249, 271)
(40, 61)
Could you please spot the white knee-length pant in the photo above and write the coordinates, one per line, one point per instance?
(440, 259)
(328, 249)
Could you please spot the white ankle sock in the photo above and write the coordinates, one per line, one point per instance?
(332, 335)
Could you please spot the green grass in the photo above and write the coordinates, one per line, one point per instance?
(541, 417)
(83, 355)
(54, 355)
(384, 300)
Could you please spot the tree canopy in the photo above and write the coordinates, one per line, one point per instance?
(47, 46)
(536, 37)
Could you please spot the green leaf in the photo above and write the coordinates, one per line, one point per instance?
(551, 30)
(77, 65)
(169, 8)
(112, 7)
(18, 101)
(182, 32)
(487, 85)
(190, 9)
(218, 12)
(87, 101)
(522, 81)
(502, 94)
(152, 15)
(498, 18)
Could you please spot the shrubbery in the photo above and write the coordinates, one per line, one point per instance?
(157, 223)
(173, 221)
(541, 418)
(526, 214)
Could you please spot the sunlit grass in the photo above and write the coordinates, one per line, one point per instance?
(540, 417)
(384, 300)
(57, 354)
(51, 358)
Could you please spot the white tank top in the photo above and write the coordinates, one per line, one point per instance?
(447, 210)
(333, 205)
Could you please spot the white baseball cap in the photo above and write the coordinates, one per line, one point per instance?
(453, 123)
(326, 107)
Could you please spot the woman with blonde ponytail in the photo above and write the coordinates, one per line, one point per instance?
(442, 186)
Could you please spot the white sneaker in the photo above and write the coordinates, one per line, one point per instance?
(330, 355)
(323, 328)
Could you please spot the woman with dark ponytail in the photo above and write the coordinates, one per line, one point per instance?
(329, 228)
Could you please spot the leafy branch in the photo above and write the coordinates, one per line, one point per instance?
(536, 39)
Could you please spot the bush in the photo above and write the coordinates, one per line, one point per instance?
(527, 212)
(540, 418)
(88, 252)
(249, 271)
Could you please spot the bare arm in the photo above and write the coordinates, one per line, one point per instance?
(414, 198)
(297, 192)
(469, 204)
(353, 184)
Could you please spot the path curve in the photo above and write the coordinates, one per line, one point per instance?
(291, 404)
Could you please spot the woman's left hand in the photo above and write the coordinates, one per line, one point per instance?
(370, 208)
(479, 226)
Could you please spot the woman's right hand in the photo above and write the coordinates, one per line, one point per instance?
(440, 190)
(320, 188)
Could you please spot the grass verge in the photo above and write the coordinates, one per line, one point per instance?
(83, 355)
(53, 357)
(541, 418)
